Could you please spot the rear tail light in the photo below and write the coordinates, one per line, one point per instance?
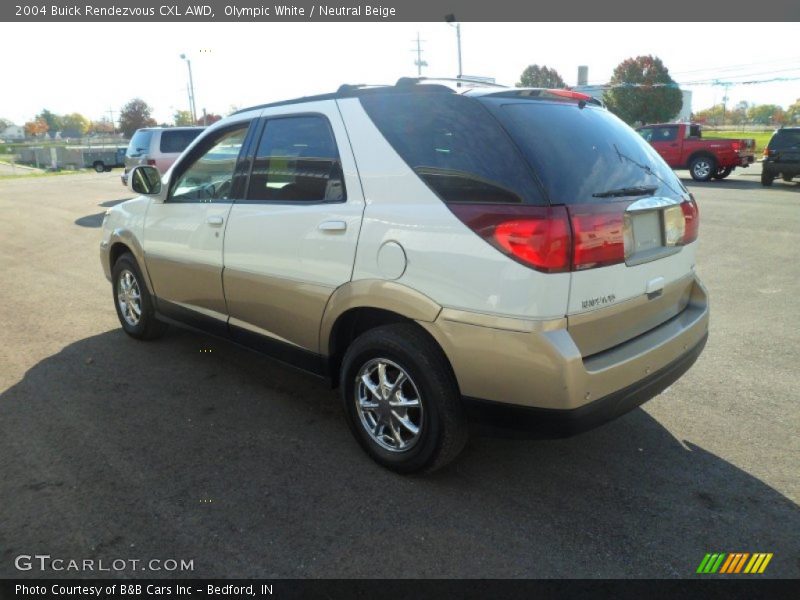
(151, 162)
(536, 236)
(598, 235)
(767, 152)
(569, 94)
(558, 239)
(691, 216)
(736, 146)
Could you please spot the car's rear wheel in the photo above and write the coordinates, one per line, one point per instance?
(702, 168)
(133, 302)
(787, 178)
(766, 179)
(99, 167)
(401, 399)
(722, 173)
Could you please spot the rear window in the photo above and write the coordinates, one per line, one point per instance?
(577, 152)
(455, 146)
(785, 138)
(176, 140)
(140, 143)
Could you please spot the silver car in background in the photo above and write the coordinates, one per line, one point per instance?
(158, 147)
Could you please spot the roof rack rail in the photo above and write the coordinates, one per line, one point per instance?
(409, 81)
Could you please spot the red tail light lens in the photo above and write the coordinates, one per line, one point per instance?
(691, 215)
(151, 161)
(598, 234)
(536, 236)
(736, 146)
(569, 94)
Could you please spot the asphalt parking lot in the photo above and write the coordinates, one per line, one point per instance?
(191, 448)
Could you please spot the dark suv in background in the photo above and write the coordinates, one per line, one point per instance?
(782, 156)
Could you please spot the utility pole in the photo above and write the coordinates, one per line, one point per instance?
(190, 88)
(419, 62)
(450, 20)
(113, 126)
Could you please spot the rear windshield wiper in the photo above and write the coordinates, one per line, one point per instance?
(645, 168)
(639, 190)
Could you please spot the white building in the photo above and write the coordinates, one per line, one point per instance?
(13, 132)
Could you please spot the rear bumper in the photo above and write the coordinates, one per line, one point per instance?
(538, 365)
(563, 423)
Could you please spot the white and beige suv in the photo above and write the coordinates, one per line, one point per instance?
(517, 256)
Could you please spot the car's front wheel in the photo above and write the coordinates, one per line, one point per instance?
(401, 399)
(133, 302)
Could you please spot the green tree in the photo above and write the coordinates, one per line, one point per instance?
(765, 114)
(103, 126)
(183, 118)
(4, 123)
(540, 77)
(54, 122)
(135, 115)
(793, 113)
(641, 90)
(709, 116)
(74, 125)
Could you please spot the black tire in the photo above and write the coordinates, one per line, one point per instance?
(787, 178)
(147, 327)
(702, 168)
(442, 424)
(99, 167)
(766, 179)
(722, 173)
(108, 168)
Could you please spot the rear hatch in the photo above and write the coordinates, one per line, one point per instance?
(632, 221)
(784, 148)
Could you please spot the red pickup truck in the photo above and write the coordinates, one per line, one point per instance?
(682, 146)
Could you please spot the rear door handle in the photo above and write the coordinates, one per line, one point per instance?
(214, 221)
(332, 226)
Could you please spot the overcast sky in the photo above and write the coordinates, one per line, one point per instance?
(92, 68)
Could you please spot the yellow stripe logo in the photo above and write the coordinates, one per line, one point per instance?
(734, 563)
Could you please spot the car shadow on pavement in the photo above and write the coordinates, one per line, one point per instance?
(192, 448)
(96, 220)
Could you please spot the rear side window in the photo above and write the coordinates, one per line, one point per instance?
(455, 146)
(297, 161)
(579, 152)
(140, 143)
(785, 138)
(175, 141)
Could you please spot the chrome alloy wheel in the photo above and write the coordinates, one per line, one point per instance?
(702, 168)
(129, 298)
(389, 405)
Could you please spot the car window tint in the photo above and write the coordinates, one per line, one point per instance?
(174, 141)
(210, 176)
(140, 143)
(578, 152)
(785, 138)
(455, 146)
(297, 161)
(665, 134)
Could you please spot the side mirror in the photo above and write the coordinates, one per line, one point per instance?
(146, 180)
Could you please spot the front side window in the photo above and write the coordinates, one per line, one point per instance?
(297, 161)
(210, 176)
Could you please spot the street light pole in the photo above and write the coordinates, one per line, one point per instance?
(451, 19)
(191, 89)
